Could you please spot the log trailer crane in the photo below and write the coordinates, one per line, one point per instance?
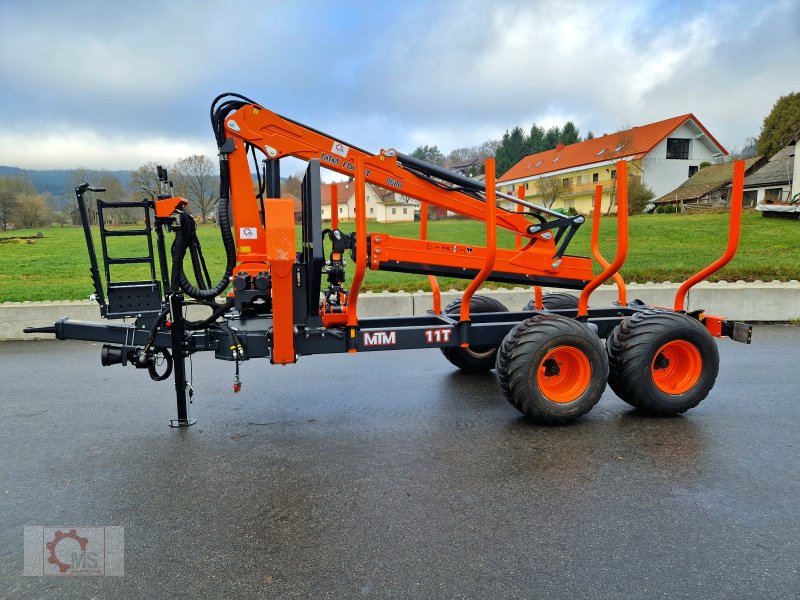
(549, 358)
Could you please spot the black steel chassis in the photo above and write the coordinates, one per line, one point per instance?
(372, 334)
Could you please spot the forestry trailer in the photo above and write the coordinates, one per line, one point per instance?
(549, 358)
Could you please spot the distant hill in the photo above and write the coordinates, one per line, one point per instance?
(55, 181)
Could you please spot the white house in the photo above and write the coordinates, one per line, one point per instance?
(382, 205)
(662, 155)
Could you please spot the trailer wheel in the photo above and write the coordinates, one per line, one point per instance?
(662, 363)
(554, 301)
(475, 359)
(552, 368)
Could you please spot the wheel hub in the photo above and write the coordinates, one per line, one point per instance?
(564, 374)
(676, 367)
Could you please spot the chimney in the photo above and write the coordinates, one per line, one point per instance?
(559, 147)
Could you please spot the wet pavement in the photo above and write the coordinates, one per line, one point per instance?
(391, 475)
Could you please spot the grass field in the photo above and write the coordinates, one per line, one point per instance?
(662, 248)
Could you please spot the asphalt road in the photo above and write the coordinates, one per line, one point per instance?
(390, 475)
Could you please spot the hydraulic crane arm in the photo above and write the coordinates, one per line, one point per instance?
(242, 126)
(278, 137)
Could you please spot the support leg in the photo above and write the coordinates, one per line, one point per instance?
(179, 359)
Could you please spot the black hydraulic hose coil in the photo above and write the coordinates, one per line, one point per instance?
(186, 236)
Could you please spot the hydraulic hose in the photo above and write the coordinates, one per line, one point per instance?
(186, 237)
(220, 310)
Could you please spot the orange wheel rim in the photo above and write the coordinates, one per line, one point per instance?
(564, 374)
(677, 367)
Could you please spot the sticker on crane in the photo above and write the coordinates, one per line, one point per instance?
(340, 149)
(248, 233)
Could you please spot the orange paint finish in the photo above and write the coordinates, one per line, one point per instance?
(676, 367)
(622, 299)
(622, 239)
(535, 261)
(734, 229)
(265, 128)
(520, 208)
(491, 241)
(538, 297)
(280, 242)
(423, 235)
(713, 324)
(165, 208)
(361, 243)
(564, 374)
(250, 237)
(335, 207)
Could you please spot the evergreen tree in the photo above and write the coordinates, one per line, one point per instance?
(536, 139)
(569, 134)
(551, 137)
(512, 149)
(782, 121)
(430, 154)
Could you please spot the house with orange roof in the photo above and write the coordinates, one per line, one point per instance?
(382, 205)
(661, 155)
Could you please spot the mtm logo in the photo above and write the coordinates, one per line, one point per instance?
(380, 338)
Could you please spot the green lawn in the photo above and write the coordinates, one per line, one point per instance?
(662, 248)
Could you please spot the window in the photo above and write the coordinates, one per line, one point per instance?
(773, 194)
(371, 210)
(556, 159)
(569, 203)
(526, 186)
(678, 148)
(405, 211)
(613, 173)
(340, 210)
(566, 180)
(538, 163)
(601, 152)
(693, 169)
(618, 148)
(595, 177)
(394, 211)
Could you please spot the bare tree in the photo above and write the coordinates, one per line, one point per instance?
(145, 178)
(33, 211)
(194, 179)
(77, 177)
(11, 188)
(552, 189)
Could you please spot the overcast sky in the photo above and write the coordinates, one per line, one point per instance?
(107, 84)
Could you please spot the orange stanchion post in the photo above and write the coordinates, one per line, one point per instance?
(734, 230)
(622, 240)
(538, 297)
(491, 243)
(537, 290)
(334, 205)
(361, 251)
(622, 298)
(423, 235)
(520, 208)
